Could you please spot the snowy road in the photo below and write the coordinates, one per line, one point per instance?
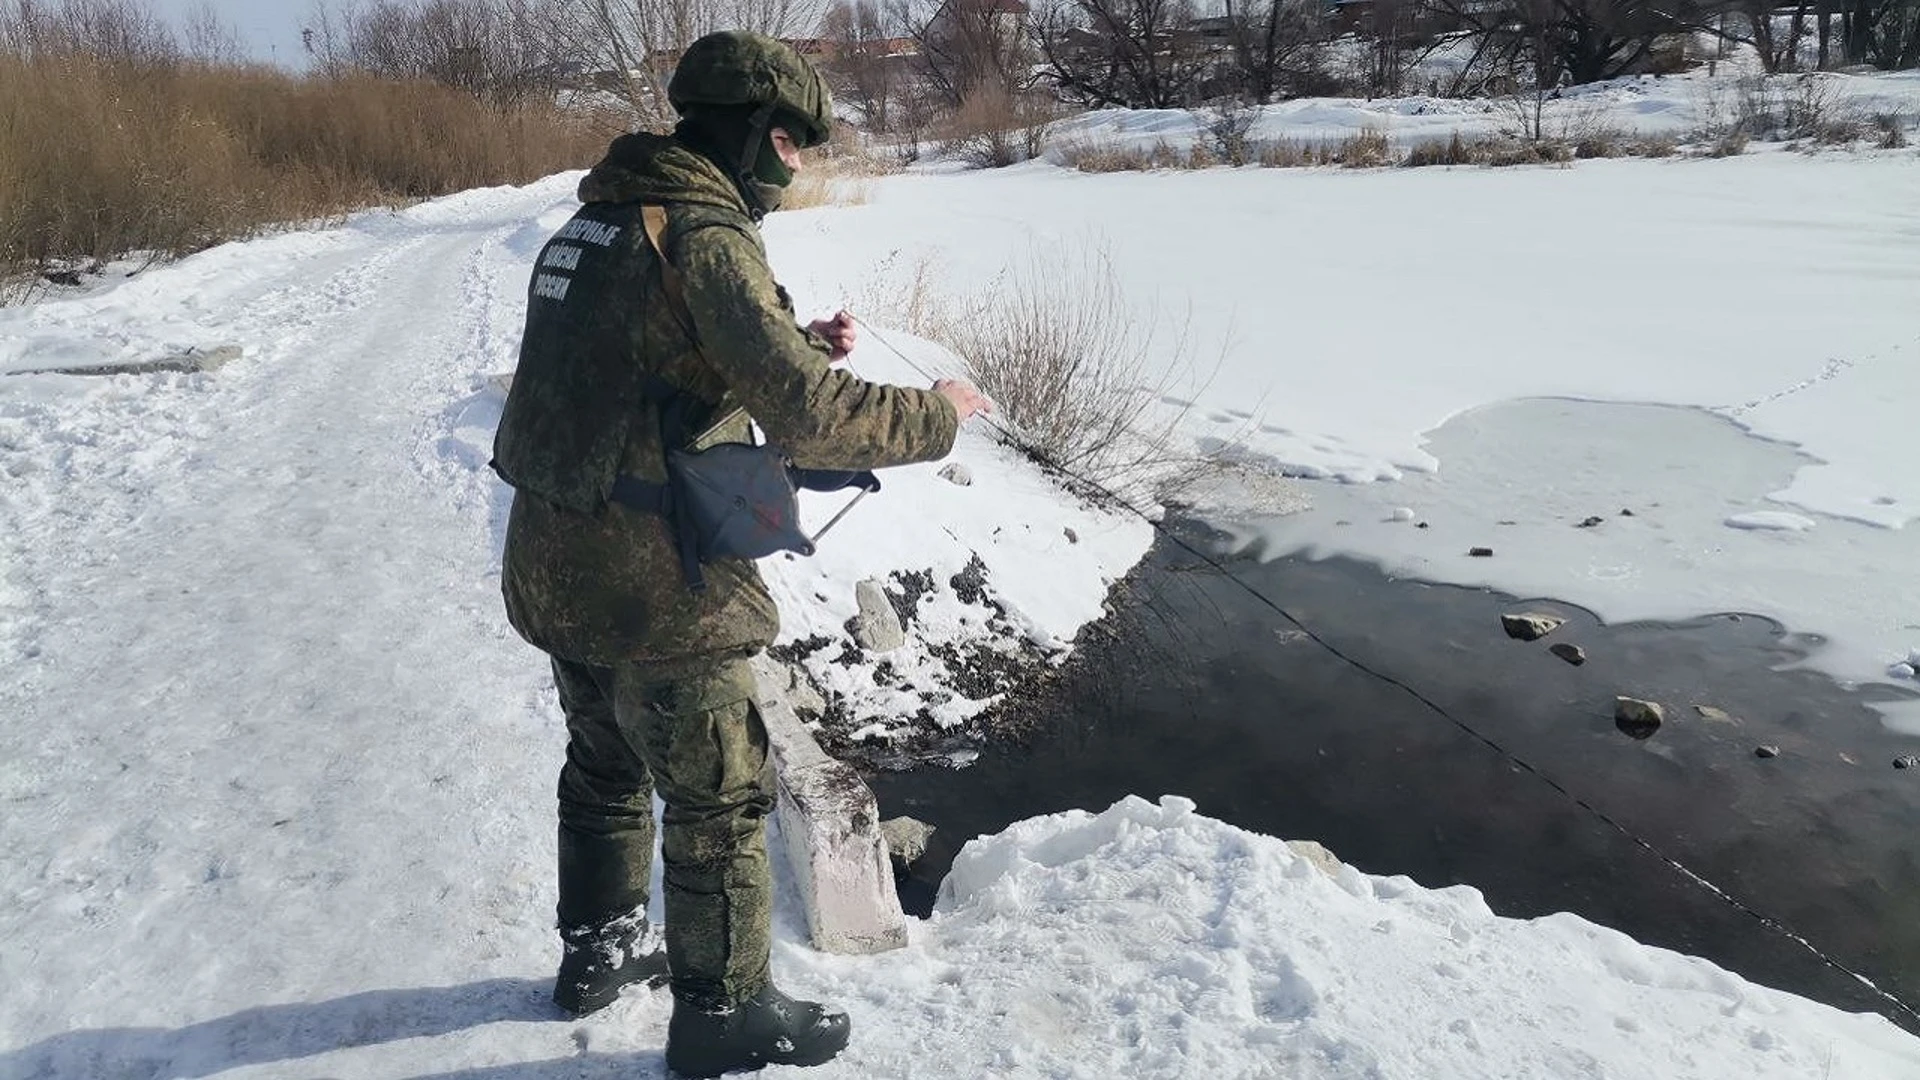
(261, 640)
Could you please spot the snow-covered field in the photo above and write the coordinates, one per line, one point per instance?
(277, 777)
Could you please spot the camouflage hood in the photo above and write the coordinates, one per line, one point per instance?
(657, 169)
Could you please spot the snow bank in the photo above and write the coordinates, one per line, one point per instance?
(1150, 941)
(1675, 106)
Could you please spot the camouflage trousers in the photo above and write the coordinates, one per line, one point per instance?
(694, 735)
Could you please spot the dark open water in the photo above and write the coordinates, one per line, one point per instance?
(1195, 688)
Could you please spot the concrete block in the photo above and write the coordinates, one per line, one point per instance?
(830, 831)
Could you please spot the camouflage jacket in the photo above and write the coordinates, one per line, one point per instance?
(597, 582)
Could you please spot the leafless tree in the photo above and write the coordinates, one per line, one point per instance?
(1277, 47)
(1884, 33)
(1551, 42)
(969, 48)
(119, 31)
(630, 46)
(866, 75)
(1129, 53)
(497, 50)
(210, 39)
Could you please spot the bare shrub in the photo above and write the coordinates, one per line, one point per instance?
(1892, 132)
(1079, 374)
(1107, 157)
(1810, 107)
(1454, 151)
(1600, 143)
(1656, 146)
(1369, 149)
(1502, 150)
(1283, 154)
(838, 174)
(1732, 144)
(814, 188)
(1089, 156)
(1230, 127)
(1530, 152)
(993, 128)
(903, 293)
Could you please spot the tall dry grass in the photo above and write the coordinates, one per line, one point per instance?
(100, 158)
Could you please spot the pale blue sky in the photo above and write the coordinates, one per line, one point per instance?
(269, 29)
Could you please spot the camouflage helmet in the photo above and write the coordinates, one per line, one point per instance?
(735, 67)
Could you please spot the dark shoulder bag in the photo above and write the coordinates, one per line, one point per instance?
(732, 500)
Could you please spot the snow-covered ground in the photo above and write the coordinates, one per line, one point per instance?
(277, 777)
(1672, 106)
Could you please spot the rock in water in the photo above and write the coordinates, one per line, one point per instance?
(1637, 718)
(956, 473)
(1572, 654)
(1531, 625)
(906, 838)
(877, 627)
(1714, 713)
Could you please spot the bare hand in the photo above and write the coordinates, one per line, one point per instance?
(839, 333)
(966, 398)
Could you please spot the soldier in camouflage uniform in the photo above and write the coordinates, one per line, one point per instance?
(652, 673)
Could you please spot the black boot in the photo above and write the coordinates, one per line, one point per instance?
(768, 1028)
(598, 960)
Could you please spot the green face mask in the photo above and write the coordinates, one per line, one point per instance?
(770, 177)
(722, 134)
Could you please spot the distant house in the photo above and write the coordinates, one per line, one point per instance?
(818, 50)
(1007, 18)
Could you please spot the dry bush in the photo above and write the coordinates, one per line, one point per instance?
(992, 128)
(838, 173)
(1731, 144)
(1283, 154)
(813, 188)
(1892, 132)
(1454, 151)
(1108, 157)
(1230, 129)
(1810, 107)
(1077, 372)
(1656, 146)
(1509, 152)
(1369, 149)
(1503, 150)
(100, 158)
(1602, 143)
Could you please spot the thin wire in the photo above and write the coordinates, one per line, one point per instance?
(1516, 760)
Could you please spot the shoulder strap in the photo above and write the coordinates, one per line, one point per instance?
(654, 219)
